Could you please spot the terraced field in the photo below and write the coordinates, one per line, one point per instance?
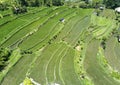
(80, 50)
(112, 53)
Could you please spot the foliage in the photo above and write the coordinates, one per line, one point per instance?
(27, 81)
(93, 3)
(4, 56)
(115, 74)
(57, 2)
(96, 3)
(58, 57)
(83, 5)
(103, 43)
(34, 3)
(112, 3)
(29, 2)
(19, 9)
(19, 6)
(3, 6)
(13, 58)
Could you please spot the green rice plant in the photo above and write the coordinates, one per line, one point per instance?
(12, 17)
(18, 23)
(55, 60)
(52, 35)
(94, 70)
(112, 53)
(66, 69)
(74, 27)
(15, 56)
(34, 25)
(17, 73)
(43, 31)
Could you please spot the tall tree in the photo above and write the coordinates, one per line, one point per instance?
(4, 56)
(112, 3)
(58, 2)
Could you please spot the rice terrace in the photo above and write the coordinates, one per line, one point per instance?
(59, 42)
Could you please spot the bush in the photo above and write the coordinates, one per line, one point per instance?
(112, 3)
(27, 81)
(4, 57)
(74, 6)
(58, 3)
(19, 10)
(83, 5)
(103, 42)
(3, 6)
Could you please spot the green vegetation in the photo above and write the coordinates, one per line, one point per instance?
(59, 42)
(27, 81)
(112, 3)
(91, 65)
(13, 59)
(4, 56)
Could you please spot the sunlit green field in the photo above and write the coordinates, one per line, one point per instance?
(80, 50)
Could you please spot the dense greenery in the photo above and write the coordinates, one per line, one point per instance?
(53, 44)
(3, 6)
(19, 6)
(4, 56)
(112, 3)
(34, 3)
(40, 2)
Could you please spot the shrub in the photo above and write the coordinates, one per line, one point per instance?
(57, 3)
(83, 5)
(3, 6)
(4, 57)
(74, 6)
(19, 10)
(103, 43)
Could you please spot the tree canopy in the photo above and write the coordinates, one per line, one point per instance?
(4, 56)
(112, 3)
(41, 2)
